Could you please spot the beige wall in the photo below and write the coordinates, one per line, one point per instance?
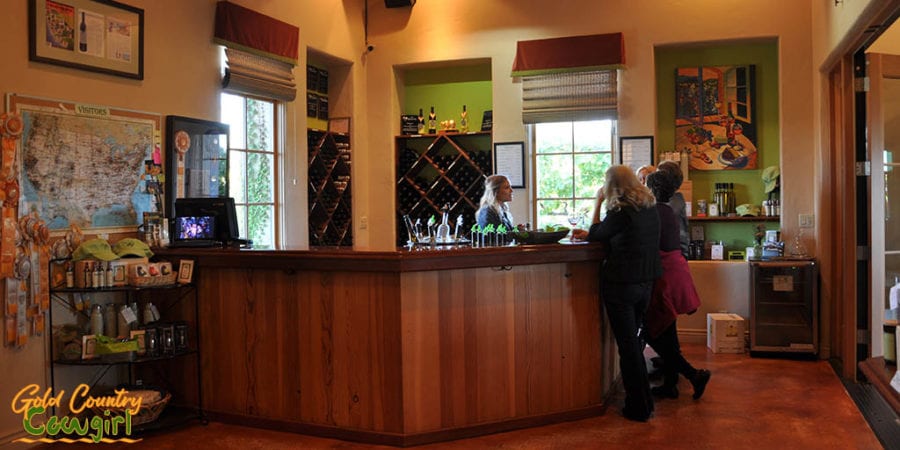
(432, 31)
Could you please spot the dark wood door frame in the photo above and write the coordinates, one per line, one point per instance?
(842, 210)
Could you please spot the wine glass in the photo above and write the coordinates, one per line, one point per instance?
(574, 219)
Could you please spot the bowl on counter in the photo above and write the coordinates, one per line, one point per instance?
(540, 237)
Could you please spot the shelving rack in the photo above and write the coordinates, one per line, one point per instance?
(441, 169)
(166, 370)
(330, 196)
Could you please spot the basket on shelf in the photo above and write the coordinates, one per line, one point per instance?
(153, 403)
(145, 281)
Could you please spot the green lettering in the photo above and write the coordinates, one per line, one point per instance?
(72, 425)
(97, 425)
(53, 426)
(116, 420)
(26, 422)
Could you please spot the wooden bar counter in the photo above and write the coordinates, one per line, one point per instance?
(404, 347)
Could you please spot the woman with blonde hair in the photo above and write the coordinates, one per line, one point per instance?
(630, 231)
(494, 208)
(643, 171)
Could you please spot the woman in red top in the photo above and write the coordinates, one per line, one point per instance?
(673, 294)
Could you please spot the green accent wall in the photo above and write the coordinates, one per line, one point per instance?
(448, 89)
(748, 185)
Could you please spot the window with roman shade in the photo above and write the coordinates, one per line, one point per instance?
(261, 52)
(569, 79)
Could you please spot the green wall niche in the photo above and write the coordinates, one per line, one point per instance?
(448, 89)
(748, 185)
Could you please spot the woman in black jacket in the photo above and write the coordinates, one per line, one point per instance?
(630, 231)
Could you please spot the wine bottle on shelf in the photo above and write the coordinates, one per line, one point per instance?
(421, 122)
(432, 122)
(464, 121)
(82, 37)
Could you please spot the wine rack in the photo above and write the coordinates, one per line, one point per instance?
(434, 170)
(329, 189)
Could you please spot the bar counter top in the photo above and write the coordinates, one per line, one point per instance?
(402, 260)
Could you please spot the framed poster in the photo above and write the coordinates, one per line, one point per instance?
(509, 160)
(636, 151)
(97, 35)
(119, 149)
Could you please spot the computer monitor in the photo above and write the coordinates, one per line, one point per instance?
(195, 227)
(221, 209)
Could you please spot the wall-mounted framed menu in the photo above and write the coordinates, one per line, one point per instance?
(636, 151)
(509, 160)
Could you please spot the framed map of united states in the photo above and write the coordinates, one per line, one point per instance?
(94, 166)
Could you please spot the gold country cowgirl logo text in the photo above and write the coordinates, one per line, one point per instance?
(31, 404)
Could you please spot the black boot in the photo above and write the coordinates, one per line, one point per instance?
(699, 381)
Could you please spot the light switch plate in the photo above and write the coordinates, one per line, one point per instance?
(807, 220)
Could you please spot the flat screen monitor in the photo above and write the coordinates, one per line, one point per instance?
(221, 209)
(189, 228)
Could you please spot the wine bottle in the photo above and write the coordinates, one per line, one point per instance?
(464, 121)
(82, 38)
(421, 122)
(432, 122)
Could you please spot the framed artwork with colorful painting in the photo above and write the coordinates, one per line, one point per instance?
(714, 116)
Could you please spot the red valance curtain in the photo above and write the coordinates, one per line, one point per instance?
(261, 52)
(569, 54)
(244, 29)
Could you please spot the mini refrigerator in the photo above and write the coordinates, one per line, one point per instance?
(784, 306)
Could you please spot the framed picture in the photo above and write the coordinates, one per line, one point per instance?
(715, 116)
(509, 160)
(97, 35)
(185, 271)
(636, 151)
(141, 338)
(339, 125)
(88, 346)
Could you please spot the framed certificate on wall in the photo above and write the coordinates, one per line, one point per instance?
(509, 160)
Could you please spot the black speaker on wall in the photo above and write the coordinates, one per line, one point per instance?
(398, 3)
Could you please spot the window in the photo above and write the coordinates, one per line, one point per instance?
(252, 171)
(571, 159)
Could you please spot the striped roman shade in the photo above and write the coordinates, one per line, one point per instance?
(569, 97)
(569, 78)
